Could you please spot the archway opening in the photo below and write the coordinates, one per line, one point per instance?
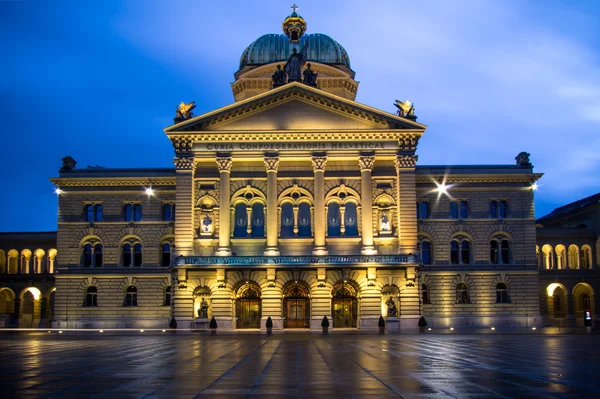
(248, 306)
(344, 306)
(296, 306)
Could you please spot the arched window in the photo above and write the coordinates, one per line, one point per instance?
(126, 255)
(128, 212)
(501, 293)
(505, 251)
(454, 252)
(500, 251)
(548, 256)
(464, 209)
(137, 255)
(304, 220)
(453, 210)
(465, 252)
(561, 256)
(502, 209)
(91, 296)
(137, 212)
(168, 212)
(350, 220)
(586, 257)
(462, 293)
(494, 255)
(87, 255)
(98, 259)
(241, 220)
(426, 252)
(287, 220)
(425, 294)
(460, 251)
(167, 301)
(423, 210)
(333, 220)
(130, 296)
(493, 209)
(165, 259)
(88, 213)
(258, 220)
(573, 254)
(98, 213)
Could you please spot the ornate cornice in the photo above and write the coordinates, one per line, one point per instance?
(319, 162)
(224, 163)
(408, 141)
(366, 162)
(272, 162)
(184, 163)
(405, 161)
(478, 179)
(112, 182)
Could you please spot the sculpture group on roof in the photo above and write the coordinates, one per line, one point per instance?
(292, 70)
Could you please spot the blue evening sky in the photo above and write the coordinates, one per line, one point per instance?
(98, 80)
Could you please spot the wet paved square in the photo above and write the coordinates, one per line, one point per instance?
(300, 366)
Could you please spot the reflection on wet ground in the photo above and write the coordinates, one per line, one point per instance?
(300, 366)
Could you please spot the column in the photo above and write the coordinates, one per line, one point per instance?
(319, 162)
(407, 200)
(224, 164)
(272, 164)
(366, 163)
(184, 212)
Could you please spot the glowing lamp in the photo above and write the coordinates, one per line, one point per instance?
(149, 191)
(442, 188)
(58, 191)
(534, 187)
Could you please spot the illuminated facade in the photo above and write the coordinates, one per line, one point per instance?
(296, 202)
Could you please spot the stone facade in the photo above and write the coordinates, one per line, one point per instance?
(296, 203)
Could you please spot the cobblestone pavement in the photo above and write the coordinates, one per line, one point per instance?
(300, 366)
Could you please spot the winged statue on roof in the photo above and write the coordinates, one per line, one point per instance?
(184, 111)
(405, 108)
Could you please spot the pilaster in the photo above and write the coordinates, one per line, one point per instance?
(319, 161)
(366, 162)
(406, 193)
(184, 211)
(224, 164)
(272, 165)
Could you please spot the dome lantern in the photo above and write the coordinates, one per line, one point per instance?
(294, 26)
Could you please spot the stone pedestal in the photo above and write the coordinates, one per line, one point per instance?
(392, 323)
(200, 324)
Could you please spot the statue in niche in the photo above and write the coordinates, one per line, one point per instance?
(310, 77)
(294, 64)
(391, 307)
(385, 224)
(203, 309)
(206, 224)
(278, 77)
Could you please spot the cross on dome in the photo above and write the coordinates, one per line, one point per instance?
(294, 7)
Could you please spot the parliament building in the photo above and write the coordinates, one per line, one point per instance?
(296, 202)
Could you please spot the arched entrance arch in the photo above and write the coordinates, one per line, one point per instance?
(344, 306)
(557, 304)
(7, 307)
(583, 300)
(296, 305)
(248, 306)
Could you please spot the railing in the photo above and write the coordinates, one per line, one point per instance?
(296, 260)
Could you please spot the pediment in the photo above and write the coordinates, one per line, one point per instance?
(294, 107)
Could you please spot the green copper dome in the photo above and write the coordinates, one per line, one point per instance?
(277, 48)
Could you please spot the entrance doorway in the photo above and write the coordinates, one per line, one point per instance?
(296, 306)
(248, 307)
(344, 306)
